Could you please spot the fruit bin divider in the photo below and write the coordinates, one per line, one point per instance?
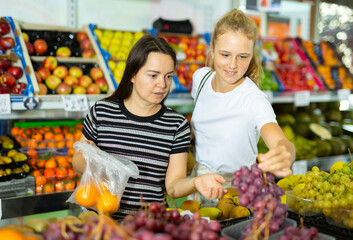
(69, 123)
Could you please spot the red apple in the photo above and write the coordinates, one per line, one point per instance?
(86, 44)
(96, 73)
(88, 53)
(2, 50)
(93, 89)
(52, 82)
(61, 71)
(75, 71)
(43, 90)
(38, 77)
(7, 42)
(63, 52)
(4, 28)
(8, 80)
(4, 89)
(22, 85)
(173, 40)
(63, 89)
(102, 84)
(80, 36)
(5, 64)
(85, 81)
(40, 46)
(16, 90)
(50, 63)
(71, 80)
(79, 90)
(43, 72)
(17, 72)
(30, 48)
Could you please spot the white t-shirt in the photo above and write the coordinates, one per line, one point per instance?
(227, 125)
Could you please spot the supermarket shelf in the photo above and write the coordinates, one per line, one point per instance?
(322, 96)
(34, 204)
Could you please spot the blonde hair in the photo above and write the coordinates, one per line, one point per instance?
(235, 20)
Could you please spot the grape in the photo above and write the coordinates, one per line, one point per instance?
(214, 226)
(154, 207)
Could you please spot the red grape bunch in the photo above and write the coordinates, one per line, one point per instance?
(157, 223)
(292, 232)
(257, 190)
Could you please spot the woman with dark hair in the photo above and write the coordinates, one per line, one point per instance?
(134, 123)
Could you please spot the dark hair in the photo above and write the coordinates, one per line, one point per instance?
(137, 59)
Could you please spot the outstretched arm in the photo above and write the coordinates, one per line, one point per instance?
(178, 185)
(281, 155)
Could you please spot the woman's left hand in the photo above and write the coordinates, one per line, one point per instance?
(209, 185)
(277, 161)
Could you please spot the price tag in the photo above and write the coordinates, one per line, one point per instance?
(300, 167)
(302, 99)
(269, 95)
(343, 94)
(75, 103)
(30, 102)
(5, 104)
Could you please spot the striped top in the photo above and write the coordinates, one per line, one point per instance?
(147, 141)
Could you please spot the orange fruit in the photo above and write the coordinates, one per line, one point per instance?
(71, 151)
(108, 203)
(49, 173)
(60, 173)
(48, 136)
(58, 137)
(51, 163)
(41, 180)
(6, 234)
(48, 188)
(103, 187)
(86, 195)
(69, 185)
(32, 153)
(15, 131)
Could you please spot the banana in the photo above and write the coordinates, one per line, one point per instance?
(211, 212)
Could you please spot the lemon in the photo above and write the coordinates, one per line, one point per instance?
(336, 165)
(285, 184)
(299, 186)
(284, 199)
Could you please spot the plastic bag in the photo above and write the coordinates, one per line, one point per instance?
(103, 180)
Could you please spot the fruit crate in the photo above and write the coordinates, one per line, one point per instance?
(16, 74)
(293, 69)
(192, 52)
(17, 187)
(115, 46)
(327, 63)
(52, 47)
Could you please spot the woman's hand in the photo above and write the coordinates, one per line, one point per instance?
(209, 185)
(277, 161)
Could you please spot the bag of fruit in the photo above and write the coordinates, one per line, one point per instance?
(103, 180)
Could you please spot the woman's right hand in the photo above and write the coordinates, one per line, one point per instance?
(209, 185)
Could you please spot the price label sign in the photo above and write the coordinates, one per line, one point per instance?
(300, 167)
(75, 103)
(302, 99)
(5, 104)
(343, 94)
(269, 95)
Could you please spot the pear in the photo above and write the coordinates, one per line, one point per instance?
(226, 209)
(211, 212)
(231, 192)
(239, 211)
(190, 205)
(224, 200)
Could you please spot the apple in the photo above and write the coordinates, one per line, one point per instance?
(63, 89)
(5, 64)
(4, 89)
(173, 40)
(88, 53)
(52, 82)
(17, 72)
(7, 42)
(43, 90)
(79, 90)
(43, 72)
(2, 50)
(93, 89)
(71, 80)
(25, 37)
(61, 71)
(63, 52)
(96, 73)
(50, 63)
(16, 90)
(85, 81)
(30, 48)
(38, 77)
(40, 46)
(75, 71)
(102, 84)
(8, 80)
(86, 44)
(4, 28)
(80, 36)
